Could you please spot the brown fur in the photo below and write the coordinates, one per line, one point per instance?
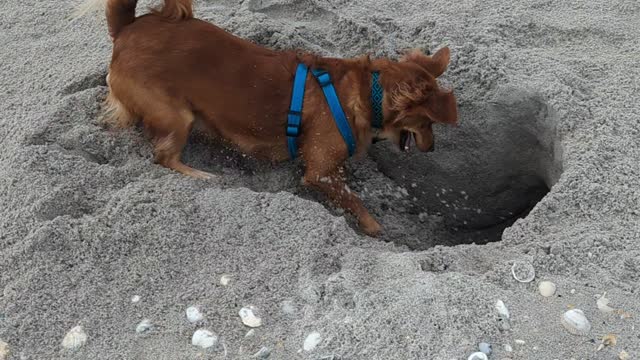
(170, 70)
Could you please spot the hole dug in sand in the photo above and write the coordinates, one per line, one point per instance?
(484, 175)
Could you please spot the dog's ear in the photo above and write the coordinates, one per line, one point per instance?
(441, 107)
(409, 93)
(435, 65)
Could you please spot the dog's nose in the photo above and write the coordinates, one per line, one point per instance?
(433, 146)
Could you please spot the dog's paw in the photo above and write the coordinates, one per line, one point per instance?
(200, 175)
(371, 227)
(196, 174)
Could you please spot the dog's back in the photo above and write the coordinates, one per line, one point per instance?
(169, 69)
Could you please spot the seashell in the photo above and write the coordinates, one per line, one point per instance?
(312, 341)
(502, 309)
(523, 271)
(478, 356)
(603, 304)
(249, 318)
(624, 355)
(144, 326)
(225, 279)
(485, 348)
(575, 322)
(607, 340)
(204, 338)
(4, 350)
(546, 288)
(250, 333)
(508, 348)
(520, 342)
(194, 315)
(75, 338)
(135, 299)
(263, 353)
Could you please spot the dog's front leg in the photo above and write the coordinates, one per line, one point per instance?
(333, 184)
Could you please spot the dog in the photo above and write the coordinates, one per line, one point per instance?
(170, 70)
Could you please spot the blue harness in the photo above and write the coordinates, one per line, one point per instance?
(294, 118)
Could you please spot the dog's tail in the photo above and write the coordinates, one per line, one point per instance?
(121, 13)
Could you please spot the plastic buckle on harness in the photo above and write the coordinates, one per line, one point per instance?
(293, 123)
(324, 79)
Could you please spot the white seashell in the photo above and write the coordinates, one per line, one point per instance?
(502, 309)
(312, 341)
(204, 338)
(575, 322)
(508, 348)
(250, 333)
(135, 299)
(144, 326)
(249, 318)
(624, 355)
(523, 271)
(4, 350)
(546, 288)
(603, 304)
(263, 353)
(485, 348)
(520, 342)
(194, 315)
(225, 279)
(478, 356)
(75, 338)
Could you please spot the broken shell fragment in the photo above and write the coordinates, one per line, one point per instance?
(485, 348)
(575, 322)
(608, 340)
(501, 308)
(478, 356)
(624, 355)
(523, 271)
(547, 288)
(204, 338)
(603, 304)
(311, 341)
(249, 318)
(194, 314)
(75, 338)
(144, 326)
(4, 350)
(225, 279)
(264, 353)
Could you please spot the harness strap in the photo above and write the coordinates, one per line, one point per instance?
(294, 118)
(324, 79)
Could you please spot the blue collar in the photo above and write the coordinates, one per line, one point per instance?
(377, 93)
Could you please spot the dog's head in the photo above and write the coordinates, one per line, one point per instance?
(414, 100)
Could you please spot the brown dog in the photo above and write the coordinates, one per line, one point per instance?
(169, 70)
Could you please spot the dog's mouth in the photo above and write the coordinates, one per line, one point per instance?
(406, 138)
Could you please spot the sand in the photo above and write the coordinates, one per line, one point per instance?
(545, 168)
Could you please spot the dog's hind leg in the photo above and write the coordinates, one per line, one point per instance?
(170, 129)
